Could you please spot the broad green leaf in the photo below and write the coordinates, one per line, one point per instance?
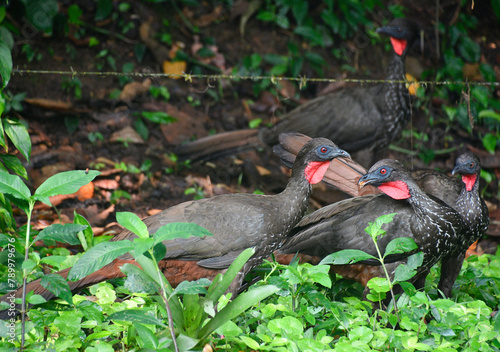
(320, 275)
(379, 284)
(254, 345)
(236, 307)
(137, 280)
(490, 142)
(56, 284)
(19, 136)
(5, 64)
(406, 272)
(86, 237)
(149, 339)
(219, 286)
(136, 316)
(193, 287)
(97, 257)
(69, 322)
(346, 256)
(67, 182)
(132, 223)
(142, 245)
(6, 37)
(150, 269)
(66, 233)
(36, 299)
(12, 162)
(400, 245)
(12, 184)
(179, 230)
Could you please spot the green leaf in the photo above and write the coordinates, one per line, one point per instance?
(490, 142)
(5, 64)
(158, 117)
(254, 123)
(97, 257)
(62, 233)
(346, 256)
(56, 284)
(136, 316)
(142, 245)
(12, 184)
(69, 323)
(67, 182)
(400, 245)
(147, 337)
(379, 284)
(193, 287)
(220, 285)
(179, 230)
(137, 280)
(86, 237)
(13, 163)
(489, 114)
(254, 345)
(133, 223)
(104, 9)
(236, 307)
(374, 229)
(406, 272)
(19, 136)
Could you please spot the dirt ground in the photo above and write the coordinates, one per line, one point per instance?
(200, 106)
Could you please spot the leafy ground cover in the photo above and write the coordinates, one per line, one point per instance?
(126, 127)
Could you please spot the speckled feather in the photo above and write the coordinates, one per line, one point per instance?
(433, 225)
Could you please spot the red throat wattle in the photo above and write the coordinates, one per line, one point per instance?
(395, 189)
(399, 45)
(469, 181)
(315, 171)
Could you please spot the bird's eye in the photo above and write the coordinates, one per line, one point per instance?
(471, 165)
(323, 150)
(383, 171)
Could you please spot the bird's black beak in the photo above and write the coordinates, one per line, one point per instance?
(459, 169)
(367, 179)
(339, 153)
(392, 31)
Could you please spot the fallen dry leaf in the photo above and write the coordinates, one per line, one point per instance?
(128, 135)
(176, 68)
(49, 104)
(85, 192)
(134, 89)
(107, 184)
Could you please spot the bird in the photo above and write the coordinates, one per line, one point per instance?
(359, 119)
(237, 221)
(462, 195)
(435, 227)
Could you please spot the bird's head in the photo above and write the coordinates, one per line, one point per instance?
(389, 176)
(316, 156)
(403, 33)
(468, 166)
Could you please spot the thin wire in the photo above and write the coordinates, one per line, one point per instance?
(189, 77)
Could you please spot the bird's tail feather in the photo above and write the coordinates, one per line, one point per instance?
(218, 145)
(342, 174)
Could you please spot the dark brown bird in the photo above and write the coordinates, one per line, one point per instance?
(360, 118)
(463, 196)
(237, 222)
(435, 227)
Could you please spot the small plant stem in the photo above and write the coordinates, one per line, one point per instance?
(381, 258)
(25, 275)
(106, 32)
(163, 295)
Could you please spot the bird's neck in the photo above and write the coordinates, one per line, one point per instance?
(396, 68)
(294, 199)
